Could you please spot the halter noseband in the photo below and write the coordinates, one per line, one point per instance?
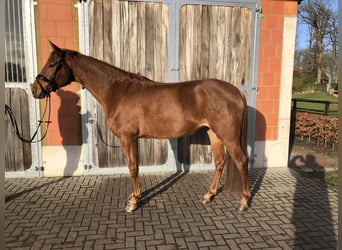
(52, 85)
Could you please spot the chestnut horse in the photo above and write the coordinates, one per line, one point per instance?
(137, 107)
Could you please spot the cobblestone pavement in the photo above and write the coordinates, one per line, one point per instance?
(288, 211)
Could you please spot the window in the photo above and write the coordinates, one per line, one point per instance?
(14, 43)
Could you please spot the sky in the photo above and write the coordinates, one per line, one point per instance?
(302, 40)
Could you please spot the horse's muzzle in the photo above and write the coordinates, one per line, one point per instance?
(36, 91)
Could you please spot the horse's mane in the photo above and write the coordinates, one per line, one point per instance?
(103, 64)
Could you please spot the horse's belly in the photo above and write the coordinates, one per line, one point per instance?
(167, 129)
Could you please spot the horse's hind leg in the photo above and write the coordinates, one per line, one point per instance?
(238, 155)
(219, 158)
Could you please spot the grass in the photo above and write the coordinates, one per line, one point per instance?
(329, 177)
(319, 107)
(322, 96)
(330, 173)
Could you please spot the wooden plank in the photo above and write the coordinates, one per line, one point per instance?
(92, 36)
(17, 154)
(150, 40)
(10, 164)
(158, 48)
(18, 147)
(124, 40)
(116, 44)
(205, 43)
(182, 43)
(132, 36)
(107, 37)
(164, 43)
(98, 30)
(220, 37)
(189, 42)
(141, 38)
(247, 31)
(25, 121)
(197, 29)
(213, 41)
(236, 49)
(228, 45)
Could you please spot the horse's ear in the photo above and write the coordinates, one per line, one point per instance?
(56, 49)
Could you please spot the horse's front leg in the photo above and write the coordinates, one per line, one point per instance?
(130, 149)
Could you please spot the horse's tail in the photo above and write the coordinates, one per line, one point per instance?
(244, 127)
(233, 183)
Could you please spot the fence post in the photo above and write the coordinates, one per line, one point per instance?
(326, 108)
(294, 107)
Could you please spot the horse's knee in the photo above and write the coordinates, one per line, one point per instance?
(219, 164)
(133, 172)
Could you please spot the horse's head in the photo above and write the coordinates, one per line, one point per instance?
(54, 75)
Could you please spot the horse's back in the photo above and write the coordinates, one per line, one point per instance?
(221, 95)
(199, 96)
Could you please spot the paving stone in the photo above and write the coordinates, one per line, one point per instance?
(288, 211)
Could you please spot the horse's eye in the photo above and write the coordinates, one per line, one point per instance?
(51, 65)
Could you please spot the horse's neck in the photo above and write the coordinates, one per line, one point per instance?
(96, 76)
(87, 70)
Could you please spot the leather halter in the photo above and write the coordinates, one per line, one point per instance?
(52, 85)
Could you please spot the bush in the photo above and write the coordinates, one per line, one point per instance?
(303, 83)
(334, 86)
(319, 128)
(321, 87)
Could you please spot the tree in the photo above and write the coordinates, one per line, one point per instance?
(333, 39)
(317, 14)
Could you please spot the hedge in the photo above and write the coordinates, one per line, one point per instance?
(318, 128)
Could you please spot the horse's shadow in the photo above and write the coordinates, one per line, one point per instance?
(161, 187)
(14, 196)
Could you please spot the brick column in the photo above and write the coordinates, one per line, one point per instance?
(56, 20)
(277, 38)
(270, 59)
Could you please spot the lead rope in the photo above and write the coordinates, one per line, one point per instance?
(9, 111)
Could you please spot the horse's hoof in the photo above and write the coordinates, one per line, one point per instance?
(131, 207)
(205, 201)
(242, 208)
(207, 198)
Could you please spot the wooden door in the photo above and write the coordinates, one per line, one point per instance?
(215, 42)
(131, 36)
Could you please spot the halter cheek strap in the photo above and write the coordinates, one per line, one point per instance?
(52, 85)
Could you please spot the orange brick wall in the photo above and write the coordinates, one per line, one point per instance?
(55, 21)
(269, 68)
